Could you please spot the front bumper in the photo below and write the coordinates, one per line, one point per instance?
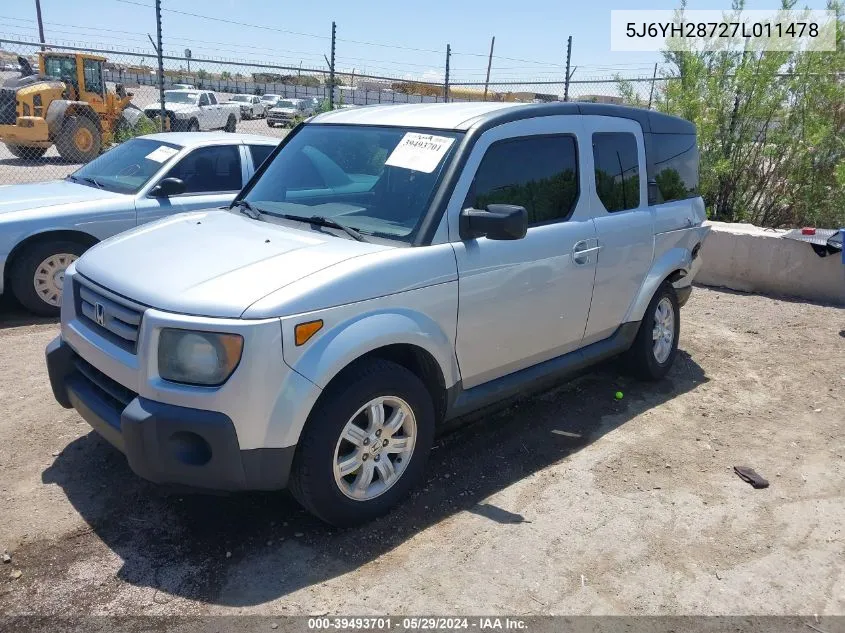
(284, 119)
(164, 443)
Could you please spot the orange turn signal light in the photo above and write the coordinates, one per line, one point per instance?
(305, 331)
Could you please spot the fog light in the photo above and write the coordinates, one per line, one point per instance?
(189, 448)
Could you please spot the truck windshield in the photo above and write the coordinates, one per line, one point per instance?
(241, 98)
(377, 180)
(63, 68)
(127, 167)
(285, 104)
(174, 96)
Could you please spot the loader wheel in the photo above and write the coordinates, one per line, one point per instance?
(80, 140)
(27, 153)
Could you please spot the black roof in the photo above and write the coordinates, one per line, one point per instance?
(650, 121)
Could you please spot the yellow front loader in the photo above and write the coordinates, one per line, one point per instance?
(66, 103)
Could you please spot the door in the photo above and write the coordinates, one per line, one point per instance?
(212, 175)
(624, 221)
(217, 111)
(93, 86)
(525, 301)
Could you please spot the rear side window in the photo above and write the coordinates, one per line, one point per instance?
(212, 99)
(210, 169)
(617, 170)
(539, 173)
(675, 159)
(260, 153)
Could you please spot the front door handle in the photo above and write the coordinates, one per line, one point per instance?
(582, 250)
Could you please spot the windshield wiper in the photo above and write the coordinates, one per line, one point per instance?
(89, 180)
(320, 220)
(248, 210)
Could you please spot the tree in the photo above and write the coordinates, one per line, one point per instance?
(771, 128)
(226, 75)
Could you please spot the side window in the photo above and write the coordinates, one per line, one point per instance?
(617, 170)
(210, 169)
(260, 153)
(93, 71)
(212, 98)
(675, 166)
(539, 173)
(204, 99)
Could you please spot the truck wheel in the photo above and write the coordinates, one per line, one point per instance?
(365, 444)
(231, 122)
(27, 153)
(656, 345)
(270, 124)
(38, 276)
(193, 126)
(79, 140)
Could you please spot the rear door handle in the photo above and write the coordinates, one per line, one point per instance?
(582, 250)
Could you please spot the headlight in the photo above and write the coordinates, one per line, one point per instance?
(198, 358)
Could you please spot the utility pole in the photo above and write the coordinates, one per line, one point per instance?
(446, 83)
(40, 23)
(568, 58)
(159, 52)
(331, 67)
(651, 92)
(489, 64)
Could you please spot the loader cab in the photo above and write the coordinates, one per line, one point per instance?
(82, 74)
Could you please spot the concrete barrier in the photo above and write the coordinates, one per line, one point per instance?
(752, 259)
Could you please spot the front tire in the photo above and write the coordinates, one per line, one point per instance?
(26, 153)
(80, 140)
(364, 445)
(656, 344)
(270, 124)
(37, 278)
(231, 122)
(193, 126)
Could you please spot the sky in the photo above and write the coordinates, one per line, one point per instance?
(378, 37)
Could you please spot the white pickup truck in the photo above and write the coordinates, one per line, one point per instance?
(195, 110)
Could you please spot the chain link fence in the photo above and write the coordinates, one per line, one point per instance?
(137, 74)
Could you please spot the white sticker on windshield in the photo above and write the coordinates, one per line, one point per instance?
(161, 154)
(420, 152)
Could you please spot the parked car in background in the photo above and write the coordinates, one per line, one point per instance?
(390, 270)
(269, 100)
(287, 111)
(196, 110)
(252, 107)
(183, 87)
(45, 226)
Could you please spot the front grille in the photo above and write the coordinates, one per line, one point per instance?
(112, 392)
(116, 319)
(8, 116)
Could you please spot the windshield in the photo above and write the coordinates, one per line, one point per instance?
(377, 180)
(285, 104)
(241, 98)
(63, 68)
(127, 167)
(269, 98)
(174, 96)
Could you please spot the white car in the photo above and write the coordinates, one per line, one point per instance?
(183, 87)
(287, 111)
(195, 110)
(252, 107)
(269, 100)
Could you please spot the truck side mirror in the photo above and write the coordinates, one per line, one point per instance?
(168, 187)
(497, 222)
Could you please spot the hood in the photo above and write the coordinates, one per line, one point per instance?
(173, 107)
(213, 263)
(38, 195)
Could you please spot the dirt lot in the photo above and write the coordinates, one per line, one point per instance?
(568, 503)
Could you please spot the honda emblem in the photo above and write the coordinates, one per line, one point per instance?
(100, 314)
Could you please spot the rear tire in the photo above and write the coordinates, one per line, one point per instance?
(193, 126)
(270, 124)
(656, 345)
(231, 122)
(323, 446)
(39, 272)
(79, 140)
(26, 153)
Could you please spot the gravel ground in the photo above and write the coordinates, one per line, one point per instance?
(567, 503)
(14, 170)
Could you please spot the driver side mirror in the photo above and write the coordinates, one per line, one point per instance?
(498, 222)
(168, 187)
